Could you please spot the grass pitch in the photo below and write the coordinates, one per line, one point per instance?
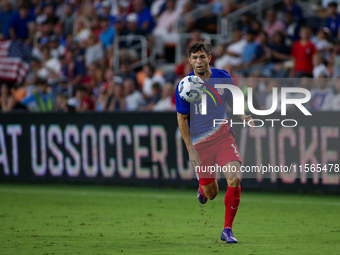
(40, 219)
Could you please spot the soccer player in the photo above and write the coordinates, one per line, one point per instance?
(207, 144)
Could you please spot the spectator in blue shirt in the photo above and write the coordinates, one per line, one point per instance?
(250, 49)
(295, 9)
(42, 99)
(333, 19)
(145, 19)
(108, 34)
(5, 18)
(19, 23)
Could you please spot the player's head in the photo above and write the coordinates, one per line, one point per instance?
(199, 55)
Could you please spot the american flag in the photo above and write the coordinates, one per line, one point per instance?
(14, 58)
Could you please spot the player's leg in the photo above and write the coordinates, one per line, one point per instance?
(208, 187)
(210, 191)
(231, 199)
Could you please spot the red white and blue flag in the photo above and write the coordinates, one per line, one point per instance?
(14, 60)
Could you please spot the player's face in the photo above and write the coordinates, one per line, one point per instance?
(200, 62)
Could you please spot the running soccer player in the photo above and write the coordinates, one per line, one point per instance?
(208, 145)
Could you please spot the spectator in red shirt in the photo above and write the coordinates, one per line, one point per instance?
(302, 54)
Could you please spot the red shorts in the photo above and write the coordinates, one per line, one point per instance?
(220, 148)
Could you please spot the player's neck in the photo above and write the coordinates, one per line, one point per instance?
(205, 76)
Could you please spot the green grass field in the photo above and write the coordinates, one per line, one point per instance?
(40, 219)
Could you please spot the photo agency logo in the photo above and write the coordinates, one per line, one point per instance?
(239, 104)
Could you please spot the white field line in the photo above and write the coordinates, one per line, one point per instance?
(151, 195)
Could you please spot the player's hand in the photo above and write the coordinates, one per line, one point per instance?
(249, 122)
(194, 158)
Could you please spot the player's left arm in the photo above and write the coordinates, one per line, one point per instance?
(247, 118)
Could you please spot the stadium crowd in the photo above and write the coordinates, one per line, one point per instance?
(73, 47)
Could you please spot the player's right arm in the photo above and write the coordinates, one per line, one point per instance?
(183, 125)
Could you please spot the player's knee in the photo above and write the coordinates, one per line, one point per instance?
(234, 182)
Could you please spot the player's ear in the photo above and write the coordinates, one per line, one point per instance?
(209, 58)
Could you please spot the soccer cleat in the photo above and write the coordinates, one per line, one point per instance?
(200, 197)
(227, 235)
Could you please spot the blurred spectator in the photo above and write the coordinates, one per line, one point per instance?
(153, 99)
(302, 53)
(150, 79)
(195, 37)
(130, 30)
(7, 100)
(234, 52)
(145, 19)
(81, 30)
(278, 52)
(56, 49)
(120, 18)
(106, 12)
(134, 99)
(118, 100)
(333, 19)
(180, 70)
(295, 9)
(61, 103)
(245, 22)
(273, 24)
(95, 27)
(261, 56)
(250, 49)
(334, 63)
(319, 69)
(292, 27)
(110, 78)
(51, 64)
(42, 99)
(156, 7)
(74, 69)
(336, 98)
(94, 51)
(69, 19)
(5, 18)
(321, 41)
(165, 104)
(81, 102)
(163, 31)
(19, 22)
(58, 30)
(108, 34)
(186, 21)
(322, 96)
(49, 12)
(105, 96)
(125, 71)
(256, 26)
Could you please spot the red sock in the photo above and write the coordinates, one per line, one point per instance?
(201, 190)
(231, 201)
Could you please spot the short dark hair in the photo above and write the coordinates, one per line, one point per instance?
(82, 89)
(199, 46)
(41, 81)
(333, 4)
